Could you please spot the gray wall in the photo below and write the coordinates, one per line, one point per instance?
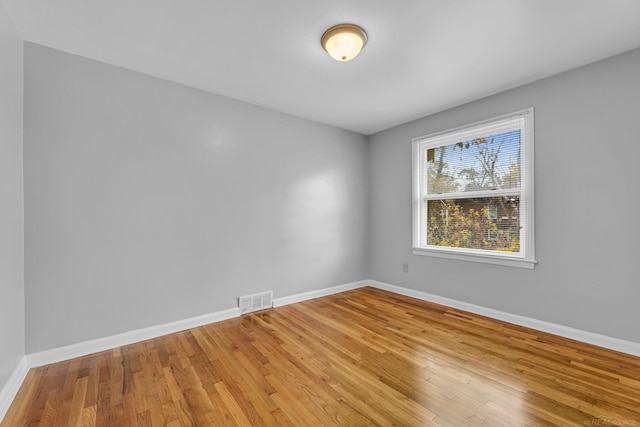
(148, 202)
(11, 205)
(587, 204)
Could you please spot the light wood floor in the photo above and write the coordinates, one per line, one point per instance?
(363, 357)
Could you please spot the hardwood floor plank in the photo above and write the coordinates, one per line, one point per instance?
(48, 416)
(88, 416)
(77, 402)
(27, 397)
(232, 405)
(362, 357)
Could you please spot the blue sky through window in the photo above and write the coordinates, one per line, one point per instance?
(481, 163)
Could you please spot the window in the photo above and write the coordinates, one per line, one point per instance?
(492, 210)
(473, 192)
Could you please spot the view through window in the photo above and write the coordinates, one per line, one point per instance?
(472, 187)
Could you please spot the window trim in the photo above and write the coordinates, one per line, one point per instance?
(526, 257)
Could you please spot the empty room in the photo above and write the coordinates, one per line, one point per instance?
(319, 213)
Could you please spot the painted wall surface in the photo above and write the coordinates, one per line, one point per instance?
(587, 203)
(149, 202)
(11, 202)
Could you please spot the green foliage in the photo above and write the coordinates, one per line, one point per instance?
(466, 224)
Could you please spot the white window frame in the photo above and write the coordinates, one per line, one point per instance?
(526, 257)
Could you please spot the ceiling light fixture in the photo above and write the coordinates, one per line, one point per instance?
(344, 42)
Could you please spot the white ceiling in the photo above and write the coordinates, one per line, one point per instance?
(423, 56)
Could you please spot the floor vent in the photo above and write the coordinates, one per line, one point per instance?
(254, 302)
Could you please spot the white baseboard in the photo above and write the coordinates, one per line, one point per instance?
(616, 344)
(279, 302)
(107, 343)
(10, 389)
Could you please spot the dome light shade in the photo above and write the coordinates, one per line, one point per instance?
(344, 42)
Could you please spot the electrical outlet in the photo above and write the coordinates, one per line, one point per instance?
(405, 268)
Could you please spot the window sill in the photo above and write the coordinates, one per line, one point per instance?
(476, 257)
